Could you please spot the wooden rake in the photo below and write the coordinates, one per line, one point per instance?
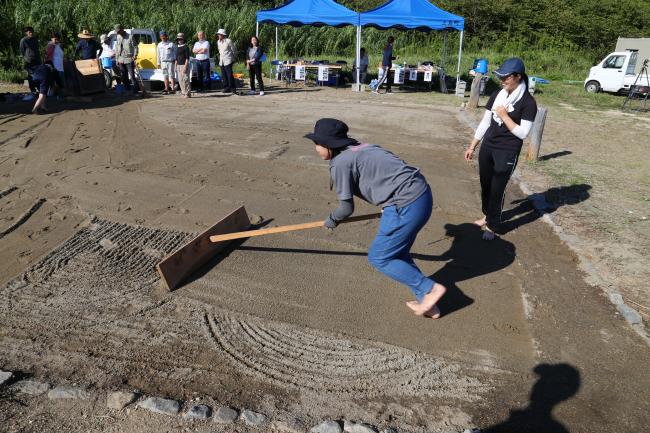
(176, 267)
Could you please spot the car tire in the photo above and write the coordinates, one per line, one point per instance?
(108, 79)
(592, 87)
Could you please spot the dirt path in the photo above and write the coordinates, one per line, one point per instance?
(296, 323)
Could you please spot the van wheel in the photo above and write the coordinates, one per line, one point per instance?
(592, 87)
(108, 78)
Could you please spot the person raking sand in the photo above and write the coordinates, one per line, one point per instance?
(381, 178)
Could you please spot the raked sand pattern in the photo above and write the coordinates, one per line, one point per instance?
(105, 274)
(303, 358)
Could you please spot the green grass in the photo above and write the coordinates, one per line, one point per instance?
(574, 95)
(12, 76)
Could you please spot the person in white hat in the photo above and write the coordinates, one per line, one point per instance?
(227, 54)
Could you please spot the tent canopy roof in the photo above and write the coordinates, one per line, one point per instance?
(411, 14)
(310, 12)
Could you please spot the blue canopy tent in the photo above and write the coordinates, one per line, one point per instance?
(298, 13)
(411, 15)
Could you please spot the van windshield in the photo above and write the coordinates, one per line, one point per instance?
(142, 38)
(614, 62)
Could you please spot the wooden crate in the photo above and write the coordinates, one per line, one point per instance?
(89, 67)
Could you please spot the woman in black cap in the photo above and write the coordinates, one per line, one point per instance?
(382, 179)
(508, 118)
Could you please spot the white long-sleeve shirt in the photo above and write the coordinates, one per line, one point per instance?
(166, 52)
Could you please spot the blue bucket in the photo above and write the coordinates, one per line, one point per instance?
(107, 62)
(480, 66)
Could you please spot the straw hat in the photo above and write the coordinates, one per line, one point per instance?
(85, 34)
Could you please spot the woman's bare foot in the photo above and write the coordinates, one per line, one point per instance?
(429, 300)
(433, 313)
(480, 222)
(413, 305)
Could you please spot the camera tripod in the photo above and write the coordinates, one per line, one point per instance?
(639, 91)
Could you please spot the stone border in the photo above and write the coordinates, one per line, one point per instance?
(631, 316)
(223, 415)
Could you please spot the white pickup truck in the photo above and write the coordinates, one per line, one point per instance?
(618, 70)
(147, 60)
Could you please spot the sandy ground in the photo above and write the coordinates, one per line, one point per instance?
(296, 324)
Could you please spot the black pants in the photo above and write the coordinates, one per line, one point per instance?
(229, 84)
(127, 70)
(495, 169)
(30, 70)
(203, 74)
(255, 71)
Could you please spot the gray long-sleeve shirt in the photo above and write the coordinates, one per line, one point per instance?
(125, 49)
(29, 51)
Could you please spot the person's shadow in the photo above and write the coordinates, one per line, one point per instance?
(556, 383)
(469, 256)
(534, 206)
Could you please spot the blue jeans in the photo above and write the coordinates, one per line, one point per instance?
(203, 74)
(390, 251)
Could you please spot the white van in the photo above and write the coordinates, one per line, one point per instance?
(618, 70)
(614, 74)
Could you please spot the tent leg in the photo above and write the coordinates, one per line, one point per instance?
(257, 28)
(460, 53)
(358, 62)
(443, 61)
(276, 43)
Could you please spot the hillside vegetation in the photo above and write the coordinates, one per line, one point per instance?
(559, 39)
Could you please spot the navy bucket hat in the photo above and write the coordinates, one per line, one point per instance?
(331, 133)
(511, 66)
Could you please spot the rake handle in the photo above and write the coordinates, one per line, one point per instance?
(289, 228)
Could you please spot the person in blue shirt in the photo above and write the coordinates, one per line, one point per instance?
(43, 78)
(87, 47)
(380, 178)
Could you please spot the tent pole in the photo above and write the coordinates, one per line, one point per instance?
(444, 49)
(276, 42)
(257, 28)
(460, 53)
(358, 62)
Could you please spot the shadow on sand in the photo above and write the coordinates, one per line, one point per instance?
(469, 257)
(103, 100)
(534, 206)
(556, 383)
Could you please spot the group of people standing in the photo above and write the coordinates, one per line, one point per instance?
(173, 58)
(227, 56)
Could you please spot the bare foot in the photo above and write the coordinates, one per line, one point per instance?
(413, 305)
(480, 222)
(433, 313)
(429, 300)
